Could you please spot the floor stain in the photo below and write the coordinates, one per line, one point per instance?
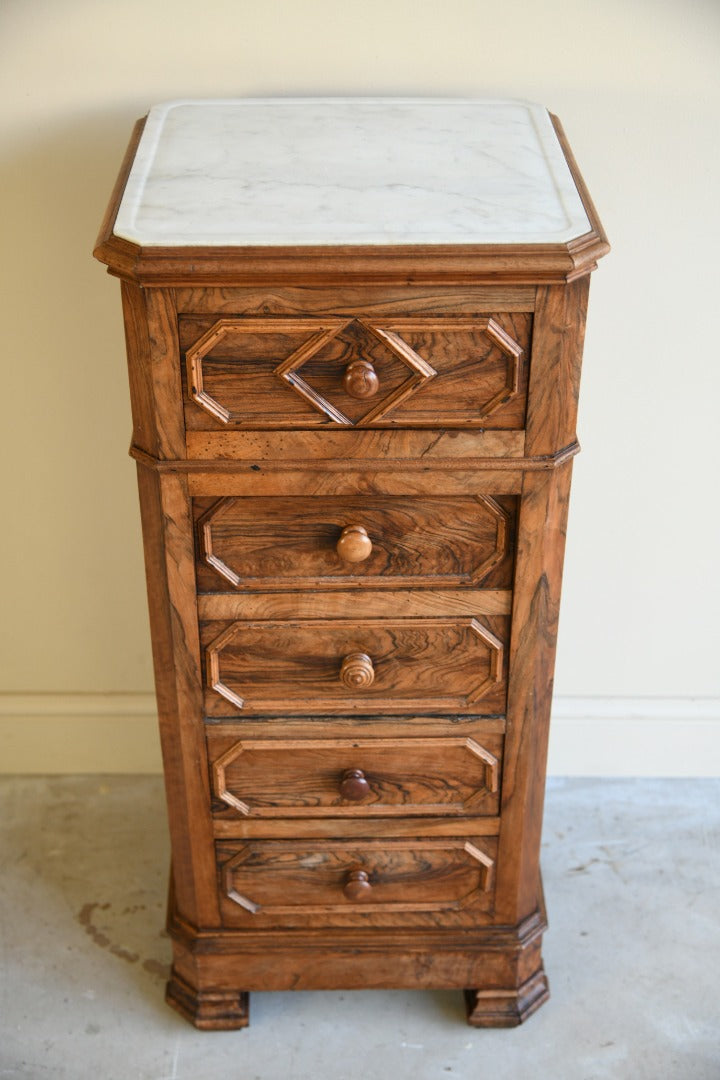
(85, 918)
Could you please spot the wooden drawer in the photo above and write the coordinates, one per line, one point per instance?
(369, 777)
(421, 882)
(343, 371)
(334, 665)
(380, 542)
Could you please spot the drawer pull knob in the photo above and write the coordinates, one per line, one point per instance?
(354, 544)
(353, 785)
(357, 671)
(357, 886)
(360, 380)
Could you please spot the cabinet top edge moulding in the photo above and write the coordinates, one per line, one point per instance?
(383, 189)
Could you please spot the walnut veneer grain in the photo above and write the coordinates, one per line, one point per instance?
(354, 468)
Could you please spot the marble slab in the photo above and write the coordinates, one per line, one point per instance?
(349, 171)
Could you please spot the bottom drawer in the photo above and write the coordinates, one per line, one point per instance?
(436, 882)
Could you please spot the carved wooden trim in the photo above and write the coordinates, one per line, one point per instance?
(321, 331)
(236, 802)
(392, 329)
(395, 699)
(420, 373)
(475, 575)
(364, 848)
(501, 539)
(520, 465)
(485, 862)
(288, 372)
(492, 763)
(496, 660)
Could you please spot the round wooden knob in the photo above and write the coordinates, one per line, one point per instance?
(357, 671)
(353, 785)
(354, 544)
(360, 380)
(357, 886)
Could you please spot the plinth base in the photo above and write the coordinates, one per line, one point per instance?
(214, 970)
(209, 1010)
(506, 1008)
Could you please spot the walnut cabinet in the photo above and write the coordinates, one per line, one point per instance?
(354, 332)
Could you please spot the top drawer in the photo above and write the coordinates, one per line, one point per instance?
(342, 371)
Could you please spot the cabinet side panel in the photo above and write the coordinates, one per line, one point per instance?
(533, 636)
(555, 366)
(155, 388)
(169, 564)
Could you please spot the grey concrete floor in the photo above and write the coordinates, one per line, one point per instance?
(633, 953)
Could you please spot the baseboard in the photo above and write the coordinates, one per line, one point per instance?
(79, 733)
(590, 736)
(640, 736)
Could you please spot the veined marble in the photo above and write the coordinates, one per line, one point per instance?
(349, 171)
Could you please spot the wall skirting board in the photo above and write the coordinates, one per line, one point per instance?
(590, 736)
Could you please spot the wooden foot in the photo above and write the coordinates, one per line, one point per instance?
(506, 1008)
(209, 1010)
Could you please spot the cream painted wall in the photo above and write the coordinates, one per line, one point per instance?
(637, 86)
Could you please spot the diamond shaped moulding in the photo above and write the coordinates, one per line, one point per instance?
(261, 338)
(356, 340)
(234, 368)
(322, 348)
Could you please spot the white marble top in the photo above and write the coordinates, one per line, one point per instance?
(349, 171)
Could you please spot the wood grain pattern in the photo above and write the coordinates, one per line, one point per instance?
(485, 955)
(155, 386)
(289, 373)
(509, 1007)
(209, 1010)
(368, 300)
(331, 447)
(417, 264)
(557, 357)
(307, 778)
(279, 883)
(292, 542)
(260, 479)
(365, 725)
(365, 603)
(541, 547)
(373, 835)
(169, 565)
(330, 828)
(429, 663)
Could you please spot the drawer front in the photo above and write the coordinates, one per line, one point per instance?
(383, 542)
(441, 371)
(331, 665)
(276, 778)
(299, 883)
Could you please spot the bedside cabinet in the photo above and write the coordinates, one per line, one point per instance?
(354, 331)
